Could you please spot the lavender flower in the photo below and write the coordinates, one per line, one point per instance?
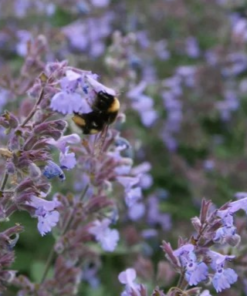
(67, 160)
(143, 103)
(45, 212)
(195, 271)
(107, 237)
(69, 99)
(127, 278)
(223, 277)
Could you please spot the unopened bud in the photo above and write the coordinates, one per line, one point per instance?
(41, 43)
(234, 240)
(196, 223)
(34, 171)
(14, 143)
(10, 119)
(35, 90)
(8, 275)
(10, 167)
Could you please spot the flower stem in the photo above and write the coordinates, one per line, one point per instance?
(47, 265)
(66, 227)
(31, 114)
(4, 181)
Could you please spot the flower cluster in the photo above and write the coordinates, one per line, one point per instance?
(102, 198)
(199, 259)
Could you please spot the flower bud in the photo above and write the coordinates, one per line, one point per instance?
(41, 44)
(234, 240)
(35, 90)
(14, 143)
(34, 171)
(11, 119)
(10, 167)
(196, 223)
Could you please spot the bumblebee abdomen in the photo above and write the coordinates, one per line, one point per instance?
(110, 117)
(90, 123)
(114, 107)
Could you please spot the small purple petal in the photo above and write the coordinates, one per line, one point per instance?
(127, 277)
(196, 272)
(47, 222)
(132, 196)
(47, 205)
(67, 103)
(184, 249)
(224, 278)
(107, 237)
(67, 160)
(136, 211)
(99, 87)
(128, 182)
(62, 142)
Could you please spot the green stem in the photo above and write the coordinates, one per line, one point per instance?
(4, 181)
(66, 227)
(47, 265)
(33, 111)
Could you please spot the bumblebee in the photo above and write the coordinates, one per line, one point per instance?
(105, 110)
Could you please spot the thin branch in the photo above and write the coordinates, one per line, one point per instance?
(66, 227)
(4, 181)
(31, 114)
